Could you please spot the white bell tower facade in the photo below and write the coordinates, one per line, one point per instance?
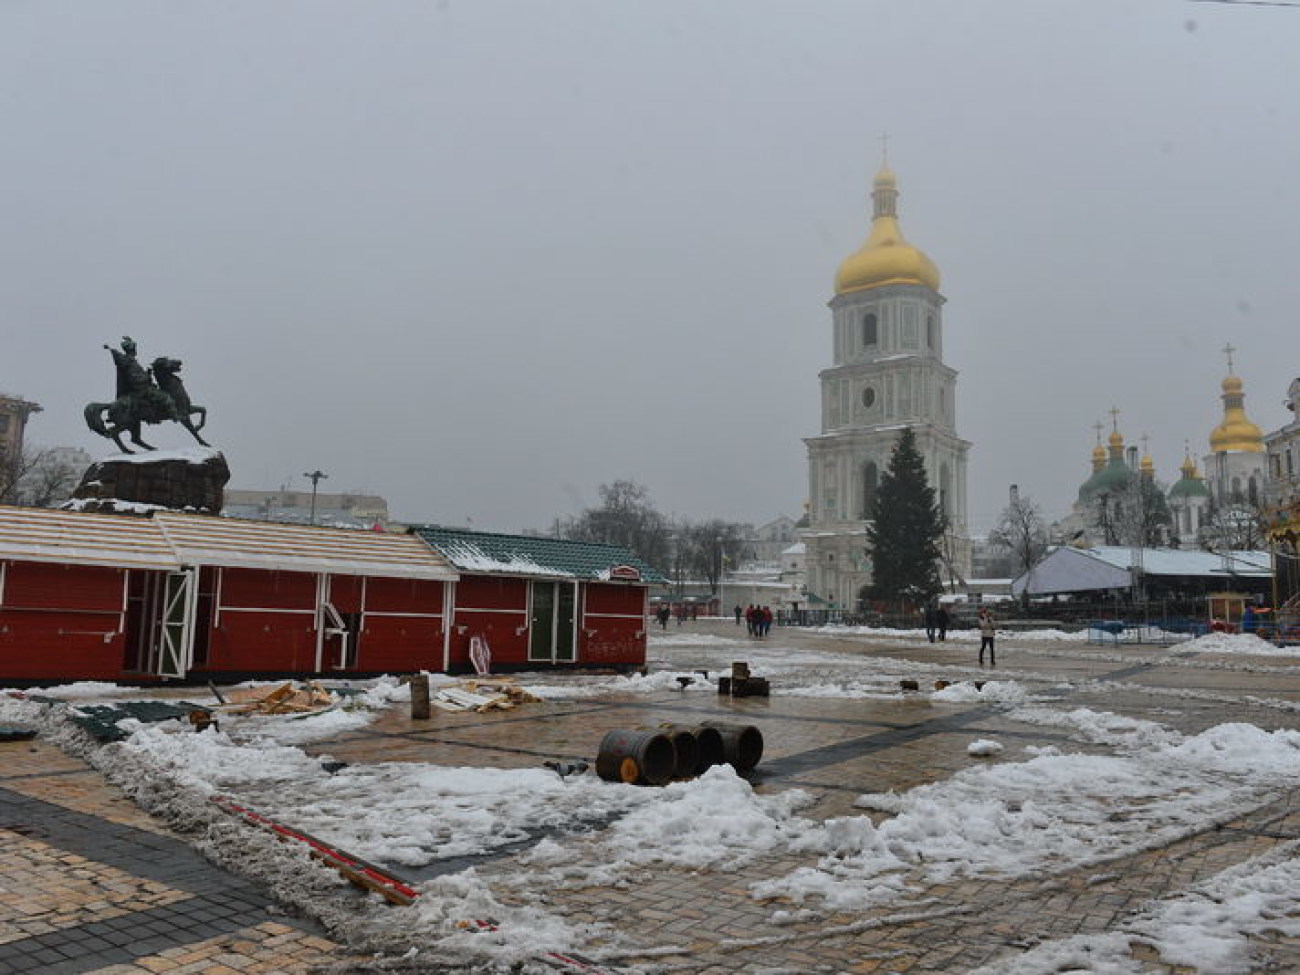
(887, 373)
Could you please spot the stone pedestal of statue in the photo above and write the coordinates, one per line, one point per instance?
(180, 480)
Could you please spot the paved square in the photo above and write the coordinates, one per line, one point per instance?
(836, 748)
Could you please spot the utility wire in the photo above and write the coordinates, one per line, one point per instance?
(1250, 3)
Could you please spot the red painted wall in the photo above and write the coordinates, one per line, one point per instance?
(403, 596)
(609, 640)
(251, 636)
(611, 598)
(345, 593)
(54, 619)
(400, 645)
(264, 588)
(474, 595)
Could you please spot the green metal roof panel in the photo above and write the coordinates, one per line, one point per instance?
(531, 555)
(1191, 487)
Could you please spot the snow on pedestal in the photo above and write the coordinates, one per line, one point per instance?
(192, 479)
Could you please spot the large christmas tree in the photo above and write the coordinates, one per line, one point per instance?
(905, 531)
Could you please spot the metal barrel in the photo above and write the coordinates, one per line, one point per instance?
(686, 753)
(706, 744)
(741, 743)
(636, 756)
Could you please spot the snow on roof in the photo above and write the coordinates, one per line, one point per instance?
(471, 558)
(1068, 569)
(1186, 562)
(532, 555)
(798, 548)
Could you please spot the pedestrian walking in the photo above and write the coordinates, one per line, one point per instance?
(764, 620)
(739, 613)
(931, 621)
(941, 621)
(662, 615)
(987, 632)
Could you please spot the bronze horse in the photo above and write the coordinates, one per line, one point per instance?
(167, 400)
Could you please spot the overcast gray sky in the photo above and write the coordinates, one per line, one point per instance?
(481, 257)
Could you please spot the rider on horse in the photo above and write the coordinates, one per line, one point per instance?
(135, 384)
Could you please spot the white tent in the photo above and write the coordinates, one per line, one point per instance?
(1071, 570)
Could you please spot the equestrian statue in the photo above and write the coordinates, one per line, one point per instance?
(144, 395)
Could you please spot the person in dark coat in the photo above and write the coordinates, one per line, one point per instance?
(941, 621)
(931, 621)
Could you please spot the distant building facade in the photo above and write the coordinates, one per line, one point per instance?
(1237, 465)
(1283, 500)
(342, 509)
(887, 373)
(768, 541)
(14, 411)
(1229, 488)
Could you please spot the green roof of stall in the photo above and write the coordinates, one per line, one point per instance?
(531, 555)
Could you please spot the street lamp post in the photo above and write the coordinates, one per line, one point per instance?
(722, 568)
(315, 477)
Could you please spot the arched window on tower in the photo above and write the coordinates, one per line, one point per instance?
(931, 333)
(870, 329)
(945, 490)
(1235, 495)
(1252, 490)
(870, 481)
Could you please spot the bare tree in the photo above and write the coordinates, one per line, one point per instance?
(1136, 514)
(37, 478)
(1022, 532)
(712, 545)
(626, 517)
(49, 481)
(1235, 525)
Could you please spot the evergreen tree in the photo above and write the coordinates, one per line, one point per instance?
(905, 530)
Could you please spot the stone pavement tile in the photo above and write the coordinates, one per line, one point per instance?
(260, 950)
(42, 771)
(39, 894)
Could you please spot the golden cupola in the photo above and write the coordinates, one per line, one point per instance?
(1236, 433)
(1098, 458)
(886, 257)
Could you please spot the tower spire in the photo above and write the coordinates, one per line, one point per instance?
(1235, 433)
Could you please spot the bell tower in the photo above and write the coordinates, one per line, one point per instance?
(887, 372)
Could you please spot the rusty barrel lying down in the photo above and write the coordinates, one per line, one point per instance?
(742, 744)
(686, 752)
(647, 757)
(698, 748)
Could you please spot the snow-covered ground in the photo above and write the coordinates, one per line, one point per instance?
(1122, 785)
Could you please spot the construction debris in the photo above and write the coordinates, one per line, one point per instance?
(482, 695)
(311, 698)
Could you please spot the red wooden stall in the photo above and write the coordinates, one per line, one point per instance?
(533, 601)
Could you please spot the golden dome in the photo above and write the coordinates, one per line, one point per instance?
(1098, 458)
(1236, 433)
(886, 257)
(1147, 466)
